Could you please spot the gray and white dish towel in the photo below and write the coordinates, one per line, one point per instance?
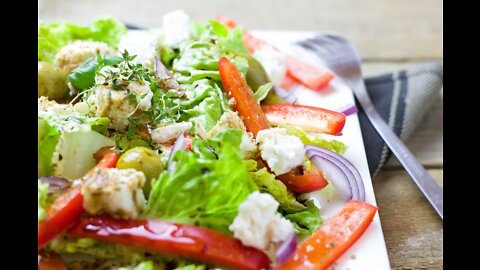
(402, 98)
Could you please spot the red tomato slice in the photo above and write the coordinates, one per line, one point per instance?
(308, 75)
(237, 88)
(332, 239)
(197, 243)
(68, 207)
(307, 182)
(308, 118)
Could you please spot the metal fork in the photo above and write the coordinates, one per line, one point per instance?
(343, 59)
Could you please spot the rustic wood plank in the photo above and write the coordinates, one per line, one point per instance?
(412, 229)
(410, 29)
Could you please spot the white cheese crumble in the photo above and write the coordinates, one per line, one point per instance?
(273, 61)
(258, 224)
(282, 152)
(168, 133)
(176, 27)
(114, 192)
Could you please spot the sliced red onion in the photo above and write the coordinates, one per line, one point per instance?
(165, 79)
(338, 171)
(56, 185)
(178, 145)
(286, 248)
(349, 110)
(289, 96)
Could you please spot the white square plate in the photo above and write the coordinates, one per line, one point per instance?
(369, 252)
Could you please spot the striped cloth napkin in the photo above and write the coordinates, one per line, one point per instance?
(402, 98)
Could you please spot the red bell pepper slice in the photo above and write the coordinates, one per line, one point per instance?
(309, 181)
(68, 207)
(237, 88)
(308, 75)
(255, 120)
(308, 118)
(51, 261)
(197, 243)
(332, 239)
(304, 73)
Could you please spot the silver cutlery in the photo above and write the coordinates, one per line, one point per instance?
(344, 60)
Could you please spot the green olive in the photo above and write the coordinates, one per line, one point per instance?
(52, 81)
(144, 160)
(256, 75)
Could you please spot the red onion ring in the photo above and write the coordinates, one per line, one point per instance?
(349, 110)
(178, 145)
(286, 248)
(346, 178)
(164, 78)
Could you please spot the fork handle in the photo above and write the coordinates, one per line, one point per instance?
(417, 172)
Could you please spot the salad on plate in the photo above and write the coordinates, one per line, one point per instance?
(182, 147)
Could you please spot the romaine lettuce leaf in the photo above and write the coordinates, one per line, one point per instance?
(66, 144)
(74, 153)
(206, 185)
(191, 267)
(267, 183)
(333, 145)
(53, 36)
(47, 141)
(307, 221)
(262, 92)
(228, 40)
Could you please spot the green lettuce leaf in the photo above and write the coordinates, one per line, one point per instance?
(191, 267)
(74, 153)
(66, 144)
(262, 92)
(83, 77)
(42, 199)
(228, 40)
(53, 36)
(333, 145)
(267, 183)
(47, 141)
(307, 221)
(206, 185)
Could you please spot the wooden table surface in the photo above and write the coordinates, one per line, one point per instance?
(390, 35)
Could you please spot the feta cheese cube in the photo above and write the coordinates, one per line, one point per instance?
(114, 192)
(258, 224)
(282, 152)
